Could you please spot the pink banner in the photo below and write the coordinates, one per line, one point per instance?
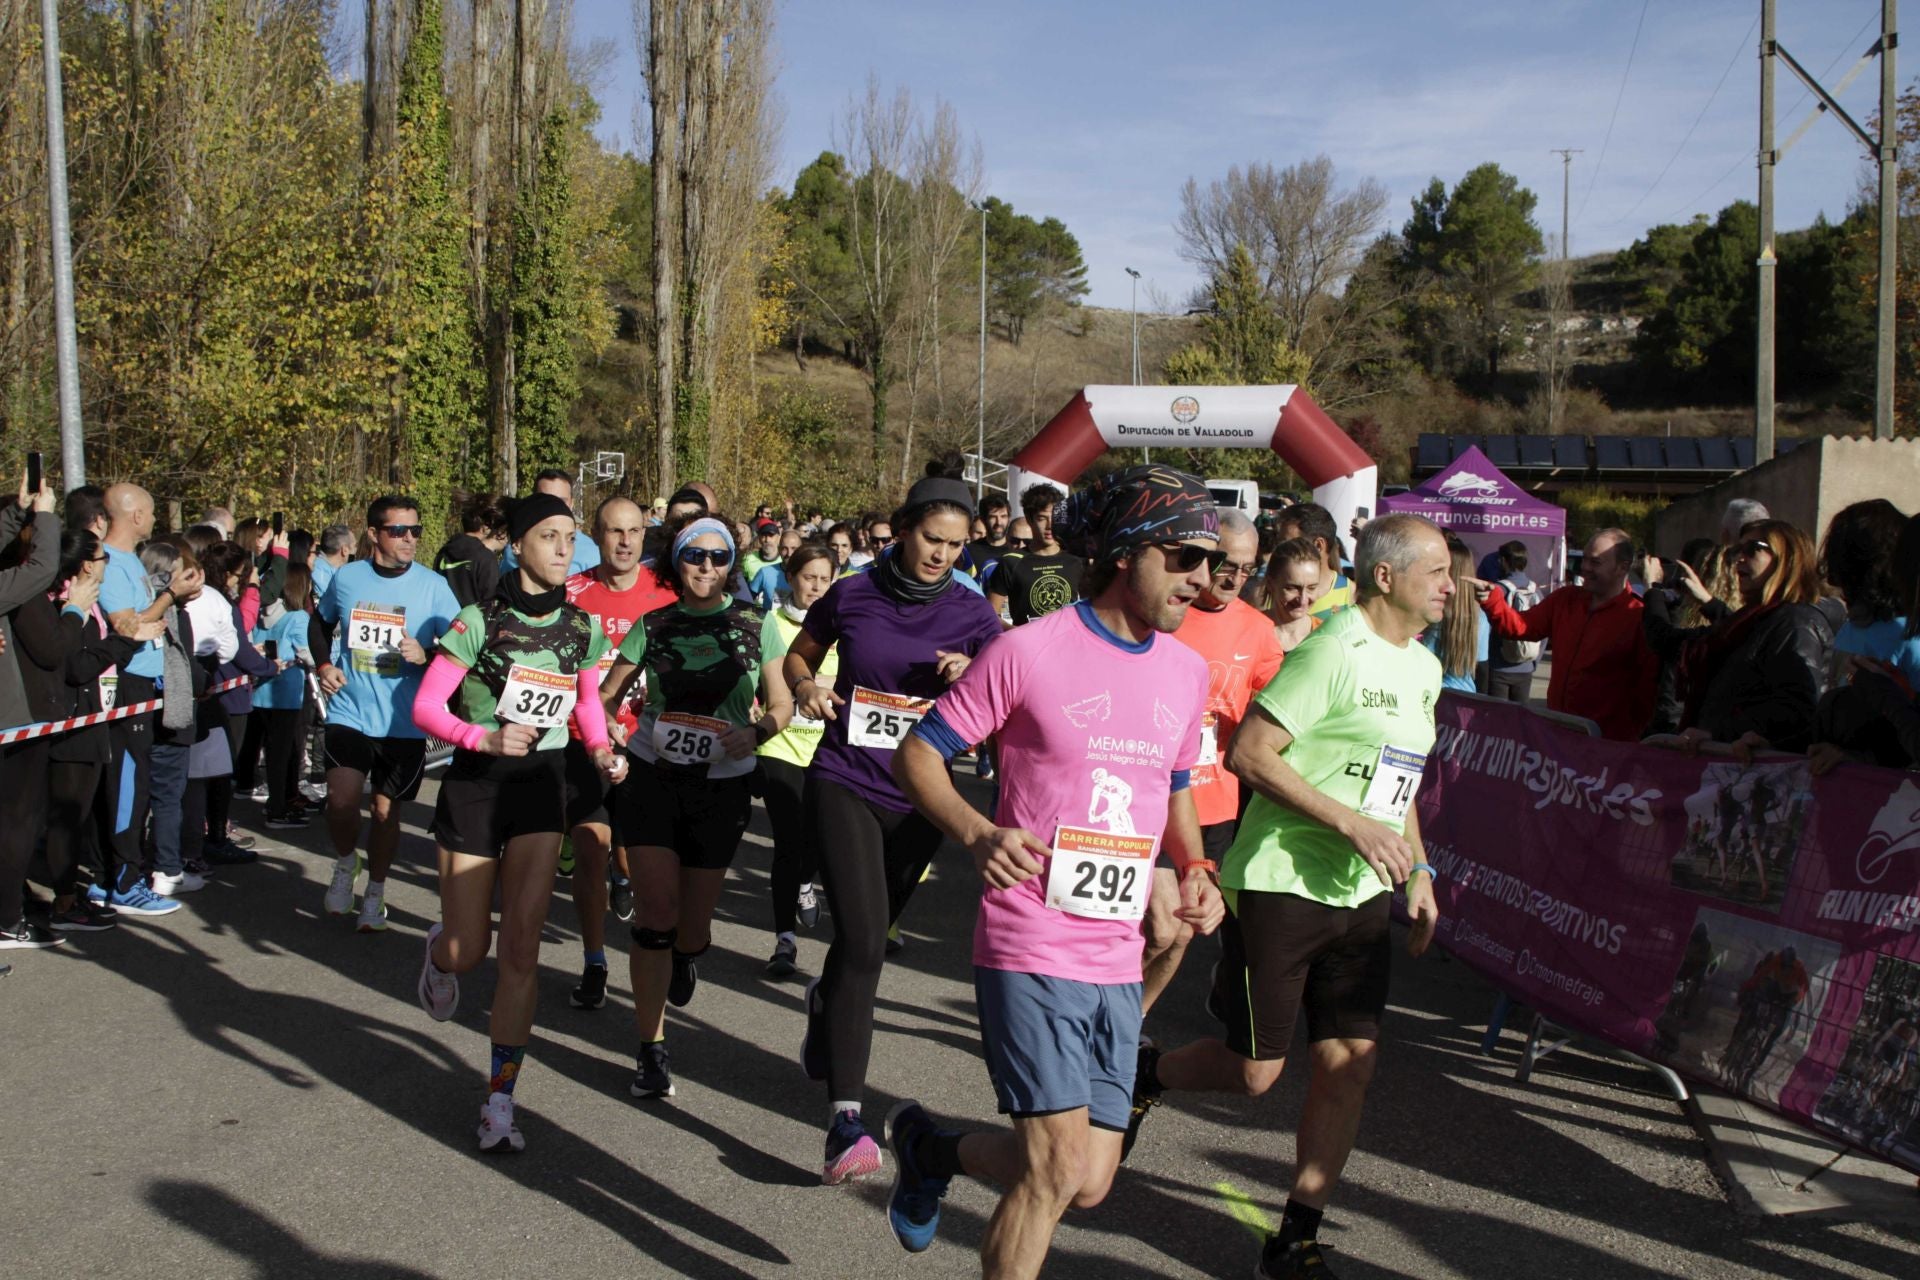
(1750, 926)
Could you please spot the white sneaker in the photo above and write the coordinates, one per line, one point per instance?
(173, 886)
(439, 992)
(496, 1125)
(314, 791)
(257, 793)
(373, 908)
(339, 899)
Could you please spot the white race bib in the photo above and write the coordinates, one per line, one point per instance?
(881, 721)
(1209, 741)
(1396, 776)
(376, 631)
(109, 689)
(539, 699)
(1100, 875)
(679, 738)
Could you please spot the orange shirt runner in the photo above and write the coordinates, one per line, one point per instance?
(1242, 654)
(616, 612)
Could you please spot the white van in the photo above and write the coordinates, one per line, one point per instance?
(1236, 495)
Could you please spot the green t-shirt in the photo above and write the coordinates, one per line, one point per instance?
(1344, 695)
(703, 675)
(491, 641)
(797, 742)
(753, 562)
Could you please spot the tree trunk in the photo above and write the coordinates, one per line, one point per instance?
(370, 101)
(882, 382)
(662, 66)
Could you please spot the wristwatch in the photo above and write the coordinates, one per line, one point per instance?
(1202, 864)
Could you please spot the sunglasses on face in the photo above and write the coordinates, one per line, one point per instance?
(718, 557)
(1185, 557)
(1758, 547)
(403, 530)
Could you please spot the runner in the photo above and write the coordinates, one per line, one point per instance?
(784, 760)
(1334, 758)
(983, 553)
(1333, 590)
(1099, 718)
(1042, 578)
(765, 551)
(520, 664)
(558, 484)
(684, 810)
(904, 632)
(769, 586)
(1242, 654)
(470, 560)
(1293, 571)
(616, 594)
(374, 626)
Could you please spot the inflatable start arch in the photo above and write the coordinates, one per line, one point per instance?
(1283, 418)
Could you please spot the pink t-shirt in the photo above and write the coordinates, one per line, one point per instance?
(1090, 735)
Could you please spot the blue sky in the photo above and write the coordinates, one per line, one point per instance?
(1097, 113)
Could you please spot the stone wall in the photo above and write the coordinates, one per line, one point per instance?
(1805, 487)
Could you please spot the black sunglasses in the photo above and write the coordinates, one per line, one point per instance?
(1757, 547)
(403, 530)
(1185, 557)
(718, 557)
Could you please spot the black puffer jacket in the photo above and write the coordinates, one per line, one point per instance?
(1762, 674)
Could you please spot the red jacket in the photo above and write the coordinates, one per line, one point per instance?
(1602, 666)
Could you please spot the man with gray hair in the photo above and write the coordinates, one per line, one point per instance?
(331, 553)
(1333, 749)
(1740, 513)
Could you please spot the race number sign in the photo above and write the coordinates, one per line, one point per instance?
(680, 738)
(1396, 776)
(1099, 874)
(1209, 741)
(540, 699)
(109, 689)
(881, 721)
(375, 630)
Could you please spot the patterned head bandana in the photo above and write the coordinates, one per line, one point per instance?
(1132, 508)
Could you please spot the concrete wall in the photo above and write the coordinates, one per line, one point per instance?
(1805, 487)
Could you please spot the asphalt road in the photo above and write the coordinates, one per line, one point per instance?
(247, 1088)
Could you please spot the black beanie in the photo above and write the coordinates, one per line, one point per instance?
(531, 510)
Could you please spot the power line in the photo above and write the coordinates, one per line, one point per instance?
(1618, 98)
(1693, 205)
(1745, 40)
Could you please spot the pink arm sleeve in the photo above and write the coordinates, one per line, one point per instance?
(430, 711)
(250, 609)
(588, 711)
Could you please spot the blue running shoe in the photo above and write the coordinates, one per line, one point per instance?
(851, 1151)
(138, 900)
(913, 1210)
(813, 1046)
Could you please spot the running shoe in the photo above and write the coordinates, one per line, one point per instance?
(255, 793)
(497, 1132)
(851, 1151)
(198, 866)
(785, 952)
(686, 976)
(813, 1046)
(592, 991)
(620, 898)
(238, 842)
(339, 899)
(230, 853)
(984, 768)
(895, 943)
(84, 916)
(137, 900)
(288, 821)
(29, 935)
(1287, 1262)
(566, 855)
(913, 1210)
(314, 791)
(173, 886)
(809, 906)
(373, 909)
(652, 1076)
(1145, 1097)
(439, 992)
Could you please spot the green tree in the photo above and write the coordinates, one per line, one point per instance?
(437, 393)
(1032, 267)
(1242, 339)
(1469, 252)
(547, 305)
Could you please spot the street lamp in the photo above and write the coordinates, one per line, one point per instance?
(1134, 307)
(980, 425)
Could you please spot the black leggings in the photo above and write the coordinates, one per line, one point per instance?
(72, 791)
(23, 801)
(793, 860)
(283, 757)
(870, 861)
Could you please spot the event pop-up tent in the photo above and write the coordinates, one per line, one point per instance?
(1475, 500)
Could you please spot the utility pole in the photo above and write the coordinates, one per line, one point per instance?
(980, 424)
(1888, 153)
(73, 444)
(1566, 155)
(1134, 307)
(1766, 264)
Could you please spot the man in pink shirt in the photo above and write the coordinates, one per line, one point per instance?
(1099, 722)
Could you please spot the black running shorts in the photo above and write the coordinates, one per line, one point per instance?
(1281, 953)
(393, 765)
(700, 819)
(589, 799)
(478, 815)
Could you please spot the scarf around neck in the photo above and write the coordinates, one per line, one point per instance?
(897, 584)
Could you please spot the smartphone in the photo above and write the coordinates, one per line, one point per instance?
(271, 650)
(1365, 513)
(278, 521)
(33, 473)
(1669, 568)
